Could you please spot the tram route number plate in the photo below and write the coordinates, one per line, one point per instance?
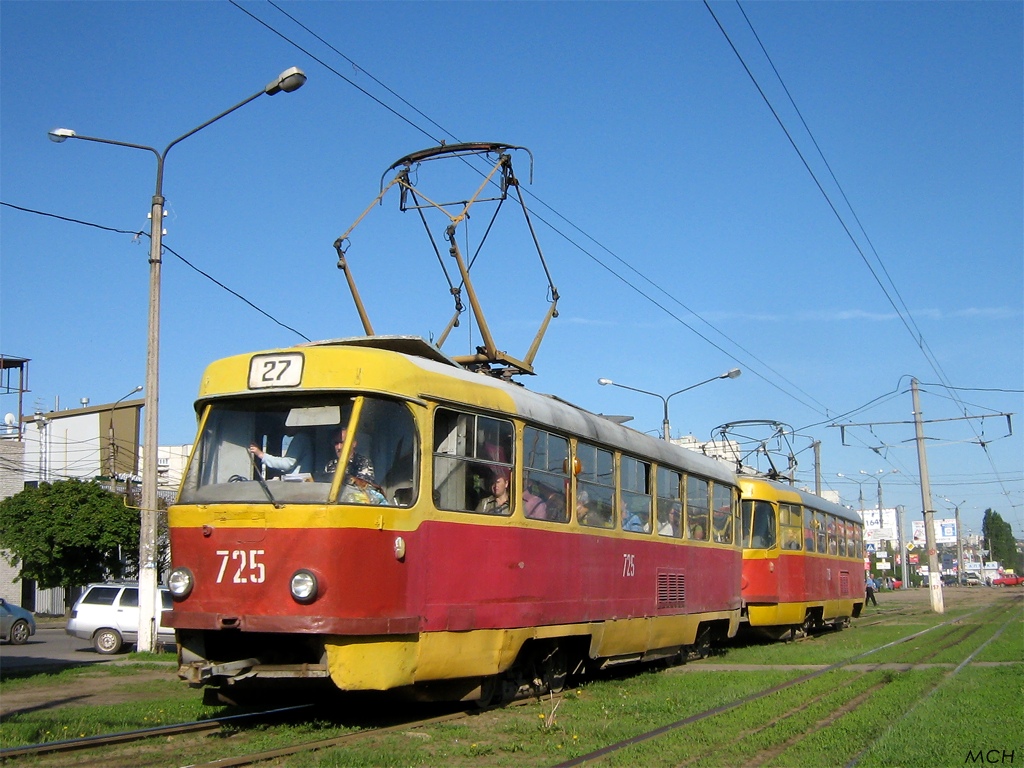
(281, 370)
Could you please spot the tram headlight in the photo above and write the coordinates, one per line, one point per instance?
(180, 582)
(304, 586)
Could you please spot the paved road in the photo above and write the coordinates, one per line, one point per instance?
(50, 647)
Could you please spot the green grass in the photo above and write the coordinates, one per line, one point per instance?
(924, 717)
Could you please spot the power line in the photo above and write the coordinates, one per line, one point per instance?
(186, 262)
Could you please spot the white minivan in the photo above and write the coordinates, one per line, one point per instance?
(108, 615)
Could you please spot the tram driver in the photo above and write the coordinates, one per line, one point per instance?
(359, 486)
(297, 458)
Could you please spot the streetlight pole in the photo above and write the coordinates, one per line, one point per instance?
(665, 429)
(959, 540)
(288, 81)
(899, 523)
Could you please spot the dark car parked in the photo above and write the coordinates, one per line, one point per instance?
(16, 624)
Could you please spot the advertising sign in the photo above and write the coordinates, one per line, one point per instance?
(879, 527)
(945, 531)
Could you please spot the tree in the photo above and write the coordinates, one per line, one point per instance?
(999, 536)
(68, 533)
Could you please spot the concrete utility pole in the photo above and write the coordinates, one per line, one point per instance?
(934, 572)
(904, 554)
(816, 445)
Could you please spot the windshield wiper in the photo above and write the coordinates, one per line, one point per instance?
(263, 483)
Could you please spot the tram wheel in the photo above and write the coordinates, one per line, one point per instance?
(489, 690)
(554, 669)
(701, 647)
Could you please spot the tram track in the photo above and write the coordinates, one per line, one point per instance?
(125, 737)
(861, 683)
(850, 706)
(349, 738)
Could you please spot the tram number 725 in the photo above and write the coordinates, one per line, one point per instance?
(249, 571)
(628, 565)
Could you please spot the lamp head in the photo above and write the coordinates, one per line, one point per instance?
(605, 382)
(731, 374)
(58, 135)
(290, 80)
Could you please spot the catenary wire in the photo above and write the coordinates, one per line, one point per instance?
(136, 234)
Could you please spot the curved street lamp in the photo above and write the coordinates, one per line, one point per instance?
(730, 374)
(860, 488)
(877, 477)
(959, 538)
(290, 80)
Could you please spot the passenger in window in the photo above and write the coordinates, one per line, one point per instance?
(298, 457)
(556, 507)
(498, 502)
(634, 520)
(534, 506)
(671, 525)
(697, 532)
(359, 488)
(582, 510)
(722, 525)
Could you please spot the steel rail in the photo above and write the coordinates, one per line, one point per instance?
(334, 741)
(102, 740)
(657, 732)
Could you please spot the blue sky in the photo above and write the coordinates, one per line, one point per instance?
(682, 228)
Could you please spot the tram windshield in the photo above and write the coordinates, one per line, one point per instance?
(758, 525)
(287, 450)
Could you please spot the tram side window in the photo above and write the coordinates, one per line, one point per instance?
(758, 524)
(696, 508)
(789, 523)
(595, 486)
(670, 505)
(545, 475)
(831, 528)
(851, 539)
(635, 480)
(858, 535)
(722, 518)
(819, 533)
(841, 536)
(471, 452)
(808, 529)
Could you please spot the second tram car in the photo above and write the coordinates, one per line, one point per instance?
(803, 559)
(369, 512)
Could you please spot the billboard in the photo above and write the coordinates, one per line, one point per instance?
(879, 525)
(945, 531)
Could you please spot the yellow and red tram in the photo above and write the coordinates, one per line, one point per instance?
(803, 559)
(368, 511)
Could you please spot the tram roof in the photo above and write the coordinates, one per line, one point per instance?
(544, 410)
(415, 346)
(807, 498)
(561, 415)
